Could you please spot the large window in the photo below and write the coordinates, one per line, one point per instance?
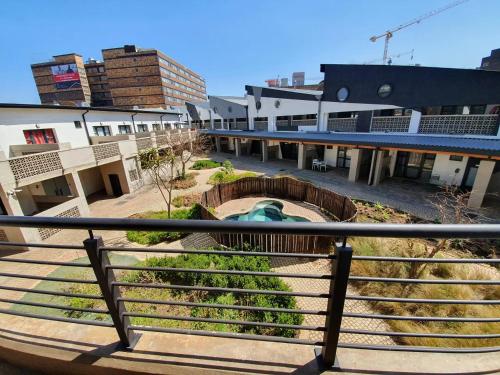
(124, 129)
(142, 128)
(39, 136)
(102, 131)
(414, 165)
(156, 126)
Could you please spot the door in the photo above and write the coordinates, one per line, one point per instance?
(115, 185)
(470, 173)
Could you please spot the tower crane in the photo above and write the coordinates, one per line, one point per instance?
(390, 58)
(389, 33)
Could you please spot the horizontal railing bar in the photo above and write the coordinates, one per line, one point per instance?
(422, 318)
(57, 318)
(417, 334)
(215, 226)
(242, 336)
(42, 245)
(49, 292)
(423, 260)
(223, 321)
(51, 306)
(48, 278)
(44, 262)
(225, 290)
(422, 281)
(419, 349)
(222, 306)
(221, 272)
(218, 252)
(424, 300)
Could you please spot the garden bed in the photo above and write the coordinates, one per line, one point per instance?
(186, 182)
(205, 164)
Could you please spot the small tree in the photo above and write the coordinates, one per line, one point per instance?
(185, 150)
(160, 165)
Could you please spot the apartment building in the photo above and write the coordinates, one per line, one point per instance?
(429, 125)
(62, 81)
(128, 77)
(53, 159)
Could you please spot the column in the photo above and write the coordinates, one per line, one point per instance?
(355, 164)
(302, 157)
(235, 123)
(415, 118)
(251, 123)
(392, 163)
(265, 151)
(217, 144)
(237, 147)
(271, 124)
(483, 177)
(378, 164)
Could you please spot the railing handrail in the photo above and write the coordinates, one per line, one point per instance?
(490, 231)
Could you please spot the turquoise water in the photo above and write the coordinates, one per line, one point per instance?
(266, 211)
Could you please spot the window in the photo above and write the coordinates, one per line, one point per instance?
(102, 131)
(124, 129)
(385, 90)
(342, 94)
(477, 109)
(78, 124)
(456, 157)
(142, 128)
(156, 127)
(39, 136)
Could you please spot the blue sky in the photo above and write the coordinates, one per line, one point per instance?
(233, 43)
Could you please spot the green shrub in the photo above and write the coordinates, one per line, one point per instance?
(221, 177)
(186, 200)
(227, 167)
(152, 238)
(219, 262)
(205, 164)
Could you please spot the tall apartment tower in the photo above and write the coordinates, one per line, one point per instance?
(127, 77)
(98, 83)
(62, 81)
(147, 78)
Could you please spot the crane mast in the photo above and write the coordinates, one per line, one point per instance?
(389, 33)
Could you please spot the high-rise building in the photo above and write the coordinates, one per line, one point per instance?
(491, 62)
(149, 78)
(128, 77)
(298, 79)
(62, 80)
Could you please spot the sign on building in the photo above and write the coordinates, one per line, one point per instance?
(66, 76)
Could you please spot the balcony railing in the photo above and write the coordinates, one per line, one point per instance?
(260, 125)
(308, 122)
(459, 124)
(33, 165)
(391, 124)
(119, 307)
(106, 151)
(342, 124)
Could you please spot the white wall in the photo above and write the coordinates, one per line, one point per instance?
(13, 121)
(91, 180)
(445, 169)
(331, 156)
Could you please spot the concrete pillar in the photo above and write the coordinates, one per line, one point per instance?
(415, 118)
(235, 123)
(392, 163)
(265, 151)
(271, 123)
(217, 144)
(483, 177)
(302, 157)
(377, 167)
(237, 147)
(355, 164)
(251, 123)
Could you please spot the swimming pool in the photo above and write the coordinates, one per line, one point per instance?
(268, 210)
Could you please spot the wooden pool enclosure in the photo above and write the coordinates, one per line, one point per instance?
(337, 206)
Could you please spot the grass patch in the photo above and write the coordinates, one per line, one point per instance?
(186, 200)
(152, 238)
(222, 177)
(205, 164)
(209, 261)
(416, 248)
(187, 182)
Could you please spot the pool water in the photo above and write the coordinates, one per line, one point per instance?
(266, 211)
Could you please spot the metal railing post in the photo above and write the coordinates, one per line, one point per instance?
(338, 288)
(105, 277)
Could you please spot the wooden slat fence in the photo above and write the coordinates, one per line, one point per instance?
(336, 205)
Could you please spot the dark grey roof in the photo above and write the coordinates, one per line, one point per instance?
(102, 109)
(452, 144)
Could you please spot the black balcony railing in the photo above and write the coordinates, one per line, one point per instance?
(338, 278)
